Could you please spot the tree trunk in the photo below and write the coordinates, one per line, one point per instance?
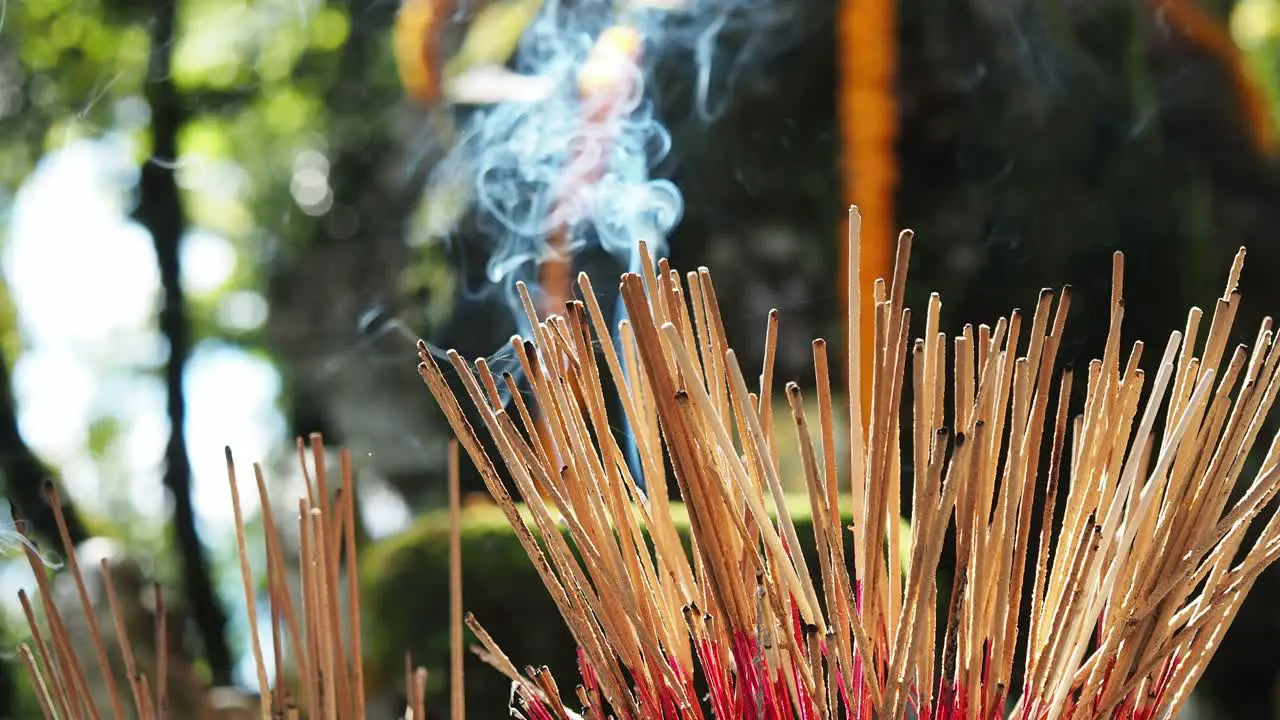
(160, 211)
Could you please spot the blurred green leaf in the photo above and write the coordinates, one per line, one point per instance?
(329, 29)
(103, 432)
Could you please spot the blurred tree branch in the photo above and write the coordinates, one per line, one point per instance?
(25, 474)
(160, 211)
(24, 477)
(228, 102)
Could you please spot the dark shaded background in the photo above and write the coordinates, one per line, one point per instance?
(1035, 139)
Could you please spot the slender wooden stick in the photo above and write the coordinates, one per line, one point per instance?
(1111, 633)
(282, 596)
(457, 696)
(80, 700)
(353, 586)
(419, 693)
(57, 676)
(37, 679)
(250, 596)
(162, 653)
(122, 637)
(100, 649)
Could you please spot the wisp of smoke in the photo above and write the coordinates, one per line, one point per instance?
(12, 541)
(541, 169)
(529, 161)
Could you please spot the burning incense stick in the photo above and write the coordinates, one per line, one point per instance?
(606, 83)
(1129, 597)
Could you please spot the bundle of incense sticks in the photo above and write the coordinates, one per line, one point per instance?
(316, 631)
(1140, 562)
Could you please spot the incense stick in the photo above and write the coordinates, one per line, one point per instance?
(456, 698)
(1112, 632)
(332, 677)
(1128, 598)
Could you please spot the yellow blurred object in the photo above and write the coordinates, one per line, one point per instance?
(444, 206)
(474, 74)
(614, 54)
(1254, 22)
(447, 196)
(493, 36)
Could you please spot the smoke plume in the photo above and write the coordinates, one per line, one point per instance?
(562, 166)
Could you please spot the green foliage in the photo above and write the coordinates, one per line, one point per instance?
(1255, 26)
(70, 59)
(255, 83)
(255, 80)
(10, 339)
(428, 276)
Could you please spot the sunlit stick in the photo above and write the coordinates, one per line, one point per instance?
(755, 623)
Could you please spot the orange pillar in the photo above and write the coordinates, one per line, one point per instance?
(1212, 37)
(416, 43)
(868, 114)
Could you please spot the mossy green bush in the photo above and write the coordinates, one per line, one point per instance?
(406, 604)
